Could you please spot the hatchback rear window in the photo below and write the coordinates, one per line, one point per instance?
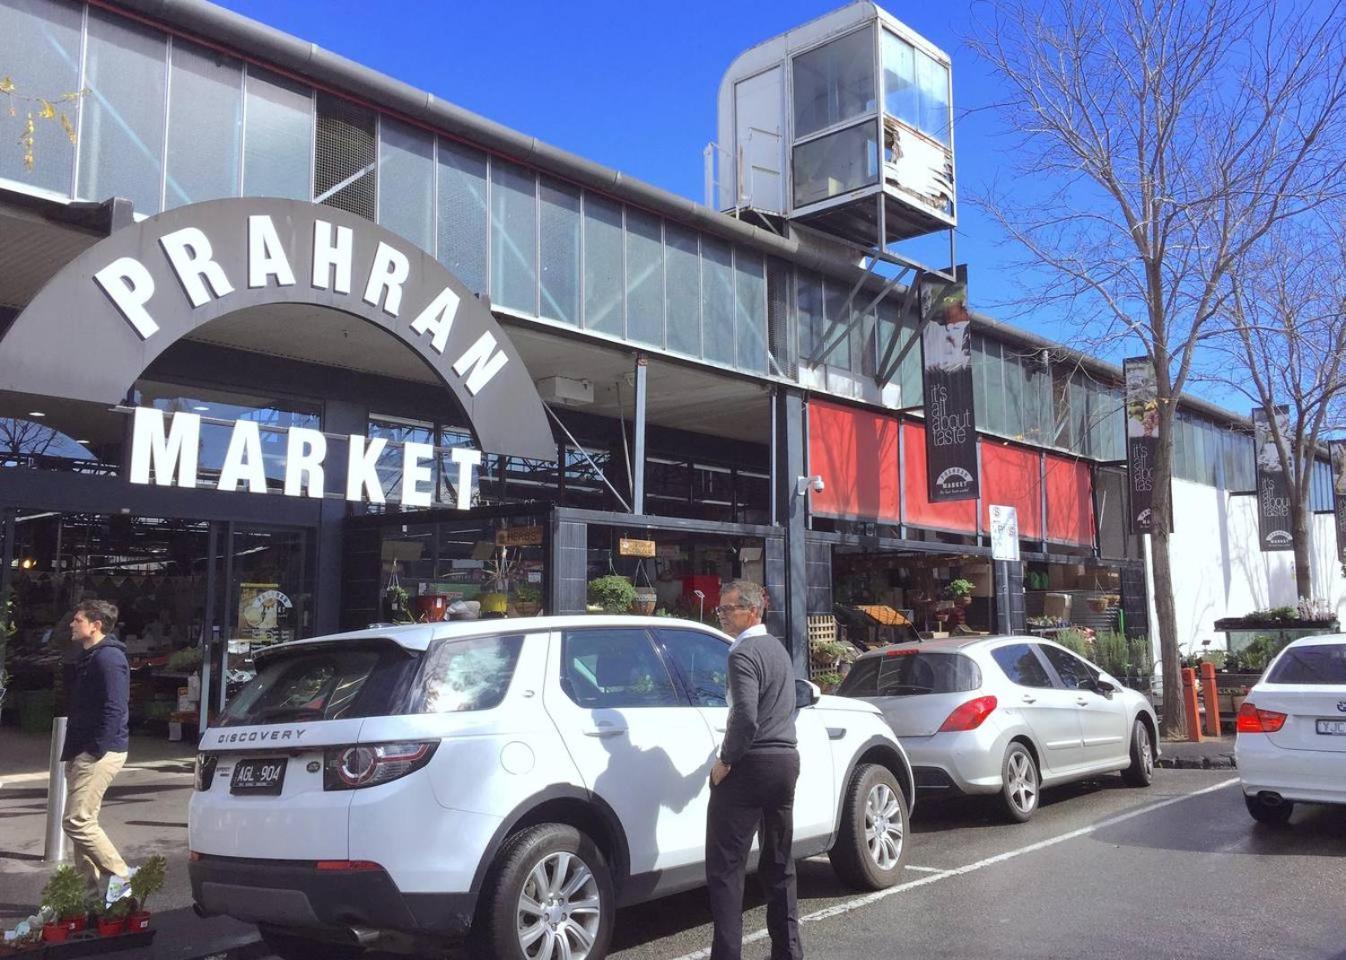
(1320, 664)
(911, 674)
(326, 682)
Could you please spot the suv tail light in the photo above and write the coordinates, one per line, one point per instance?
(969, 716)
(205, 769)
(368, 765)
(1252, 720)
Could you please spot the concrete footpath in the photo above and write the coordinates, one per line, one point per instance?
(144, 813)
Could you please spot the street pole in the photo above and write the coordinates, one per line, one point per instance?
(54, 851)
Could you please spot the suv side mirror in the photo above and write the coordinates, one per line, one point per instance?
(1099, 686)
(807, 693)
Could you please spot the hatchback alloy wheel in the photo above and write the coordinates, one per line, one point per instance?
(559, 910)
(1023, 783)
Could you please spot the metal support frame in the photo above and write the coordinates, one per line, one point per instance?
(638, 427)
(849, 318)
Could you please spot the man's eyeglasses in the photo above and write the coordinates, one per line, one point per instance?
(727, 607)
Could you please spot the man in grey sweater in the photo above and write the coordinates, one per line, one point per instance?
(753, 781)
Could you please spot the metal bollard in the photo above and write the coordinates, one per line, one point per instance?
(54, 852)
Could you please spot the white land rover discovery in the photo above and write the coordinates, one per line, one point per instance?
(510, 783)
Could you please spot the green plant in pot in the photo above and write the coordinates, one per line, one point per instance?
(64, 894)
(960, 591)
(112, 918)
(612, 594)
(147, 880)
(527, 599)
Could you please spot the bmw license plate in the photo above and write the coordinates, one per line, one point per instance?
(1332, 728)
(259, 777)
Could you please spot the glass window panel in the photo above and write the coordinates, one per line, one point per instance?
(835, 164)
(122, 131)
(684, 290)
(604, 309)
(644, 279)
(750, 311)
(398, 432)
(513, 237)
(446, 490)
(559, 259)
(886, 331)
(834, 300)
(809, 302)
(993, 375)
(834, 83)
(909, 374)
(1079, 414)
(1016, 387)
(717, 300)
(462, 213)
(219, 409)
(901, 95)
(39, 50)
(205, 106)
(278, 138)
(407, 182)
(933, 80)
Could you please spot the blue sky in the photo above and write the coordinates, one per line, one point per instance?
(634, 85)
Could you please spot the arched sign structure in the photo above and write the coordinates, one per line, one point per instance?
(126, 299)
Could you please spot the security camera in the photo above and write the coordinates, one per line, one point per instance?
(804, 484)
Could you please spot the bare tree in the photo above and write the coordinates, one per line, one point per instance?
(1155, 143)
(1286, 345)
(22, 439)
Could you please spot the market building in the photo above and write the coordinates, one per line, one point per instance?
(369, 354)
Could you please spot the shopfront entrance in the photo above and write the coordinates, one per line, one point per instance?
(192, 594)
(174, 439)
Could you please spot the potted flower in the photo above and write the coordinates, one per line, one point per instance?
(612, 594)
(1098, 604)
(64, 896)
(148, 879)
(527, 600)
(960, 591)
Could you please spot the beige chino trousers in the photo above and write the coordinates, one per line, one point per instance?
(87, 780)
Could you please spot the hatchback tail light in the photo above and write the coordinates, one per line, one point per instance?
(1253, 720)
(368, 765)
(969, 716)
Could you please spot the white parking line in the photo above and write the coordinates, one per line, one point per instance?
(848, 906)
(927, 869)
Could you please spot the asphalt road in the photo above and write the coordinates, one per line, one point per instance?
(1102, 871)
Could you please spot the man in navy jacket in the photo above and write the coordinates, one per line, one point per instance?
(96, 739)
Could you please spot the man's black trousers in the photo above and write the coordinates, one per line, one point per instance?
(758, 794)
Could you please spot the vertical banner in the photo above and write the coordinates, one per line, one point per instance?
(1273, 487)
(1142, 439)
(1338, 448)
(946, 365)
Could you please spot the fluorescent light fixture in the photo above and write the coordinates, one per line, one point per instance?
(36, 413)
(200, 406)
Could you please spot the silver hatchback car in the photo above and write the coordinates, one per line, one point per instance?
(1007, 716)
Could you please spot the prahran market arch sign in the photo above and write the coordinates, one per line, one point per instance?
(126, 299)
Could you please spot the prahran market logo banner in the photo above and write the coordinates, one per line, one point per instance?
(1273, 487)
(950, 417)
(166, 452)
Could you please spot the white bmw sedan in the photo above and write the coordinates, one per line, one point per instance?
(1291, 742)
